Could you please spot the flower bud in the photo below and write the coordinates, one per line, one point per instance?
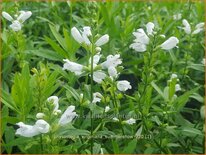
(7, 16)
(102, 40)
(169, 43)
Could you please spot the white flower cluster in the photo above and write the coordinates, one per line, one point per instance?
(41, 126)
(142, 39)
(110, 64)
(187, 28)
(83, 37)
(18, 22)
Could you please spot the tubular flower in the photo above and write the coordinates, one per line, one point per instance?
(123, 85)
(187, 28)
(98, 76)
(130, 121)
(170, 43)
(111, 61)
(141, 38)
(67, 116)
(40, 126)
(18, 22)
(73, 67)
(96, 97)
(102, 40)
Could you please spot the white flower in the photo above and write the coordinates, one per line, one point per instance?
(42, 126)
(177, 16)
(186, 27)
(141, 36)
(26, 130)
(130, 121)
(40, 115)
(177, 87)
(142, 39)
(150, 28)
(112, 72)
(169, 43)
(67, 116)
(102, 40)
(115, 119)
(107, 108)
(55, 101)
(7, 16)
(87, 31)
(139, 47)
(24, 15)
(98, 76)
(97, 97)
(198, 28)
(173, 76)
(85, 34)
(111, 61)
(73, 67)
(16, 25)
(96, 59)
(123, 85)
(76, 35)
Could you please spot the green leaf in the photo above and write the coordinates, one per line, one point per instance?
(130, 147)
(115, 147)
(158, 90)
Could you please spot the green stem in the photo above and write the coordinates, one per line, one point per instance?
(91, 94)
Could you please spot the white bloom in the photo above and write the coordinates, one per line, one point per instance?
(16, 25)
(177, 16)
(76, 35)
(73, 67)
(26, 130)
(96, 59)
(107, 108)
(24, 15)
(97, 97)
(115, 119)
(40, 115)
(169, 43)
(186, 27)
(85, 34)
(177, 87)
(150, 28)
(55, 101)
(123, 85)
(141, 37)
(98, 76)
(139, 47)
(102, 40)
(130, 121)
(198, 28)
(173, 76)
(87, 31)
(112, 72)
(67, 116)
(42, 126)
(7, 16)
(111, 61)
